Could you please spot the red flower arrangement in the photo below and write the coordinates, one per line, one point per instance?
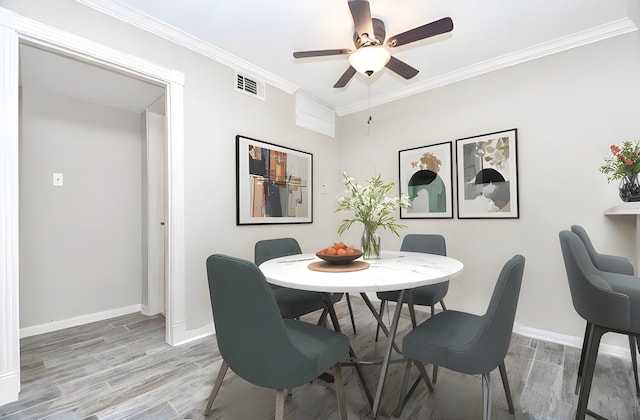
(623, 162)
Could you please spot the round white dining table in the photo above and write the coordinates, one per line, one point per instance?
(394, 270)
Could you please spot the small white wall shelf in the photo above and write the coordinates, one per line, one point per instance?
(629, 209)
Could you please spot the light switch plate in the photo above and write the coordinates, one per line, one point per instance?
(57, 179)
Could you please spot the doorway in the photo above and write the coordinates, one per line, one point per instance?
(13, 31)
(89, 230)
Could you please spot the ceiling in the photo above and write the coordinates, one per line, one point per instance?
(67, 76)
(258, 37)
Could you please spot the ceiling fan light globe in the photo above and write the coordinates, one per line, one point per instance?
(369, 60)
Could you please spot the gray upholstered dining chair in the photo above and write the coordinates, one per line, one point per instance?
(603, 262)
(294, 303)
(258, 344)
(609, 302)
(468, 343)
(612, 264)
(423, 295)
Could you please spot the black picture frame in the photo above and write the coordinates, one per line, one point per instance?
(273, 183)
(426, 176)
(487, 176)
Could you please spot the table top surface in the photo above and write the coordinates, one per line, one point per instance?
(395, 270)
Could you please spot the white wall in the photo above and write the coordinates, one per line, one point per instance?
(214, 114)
(80, 244)
(568, 108)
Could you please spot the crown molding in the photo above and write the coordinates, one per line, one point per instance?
(598, 33)
(149, 24)
(178, 37)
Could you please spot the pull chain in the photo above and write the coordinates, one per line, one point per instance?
(369, 100)
(369, 106)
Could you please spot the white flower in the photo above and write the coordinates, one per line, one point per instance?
(370, 204)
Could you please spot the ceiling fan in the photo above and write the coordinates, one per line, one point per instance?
(372, 53)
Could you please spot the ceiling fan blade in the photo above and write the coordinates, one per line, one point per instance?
(402, 68)
(344, 79)
(320, 53)
(421, 32)
(361, 14)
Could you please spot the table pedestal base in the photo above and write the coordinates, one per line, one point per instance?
(390, 346)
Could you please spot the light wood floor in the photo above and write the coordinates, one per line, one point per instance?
(123, 369)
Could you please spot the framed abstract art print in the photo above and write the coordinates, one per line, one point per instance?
(487, 176)
(426, 176)
(273, 183)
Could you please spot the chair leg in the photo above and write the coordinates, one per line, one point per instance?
(353, 321)
(280, 396)
(342, 406)
(507, 389)
(634, 361)
(588, 369)
(585, 345)
(486, 396)
(435, 367)
(382, 302)
(216, 387)
(424, 374)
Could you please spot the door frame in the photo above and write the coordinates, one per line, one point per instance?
(15, 29)
(154, 209)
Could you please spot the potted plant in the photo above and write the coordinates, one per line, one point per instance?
(624, 164)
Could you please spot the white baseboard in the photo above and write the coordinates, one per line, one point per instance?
(9, 386)
(569, 340)
(207, 330)
(198, 333)
(78, 320)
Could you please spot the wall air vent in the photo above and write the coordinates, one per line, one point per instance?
(250, 86)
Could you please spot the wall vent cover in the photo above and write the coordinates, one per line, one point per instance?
(250, 86)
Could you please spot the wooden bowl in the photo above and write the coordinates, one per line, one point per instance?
(339, 259)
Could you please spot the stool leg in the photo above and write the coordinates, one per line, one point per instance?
(634, 361)
(589, 367)
(585, 345)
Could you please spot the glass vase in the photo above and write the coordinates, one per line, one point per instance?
(370, 242)
(629, 189)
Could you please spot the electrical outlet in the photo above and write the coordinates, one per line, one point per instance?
(323, 188)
